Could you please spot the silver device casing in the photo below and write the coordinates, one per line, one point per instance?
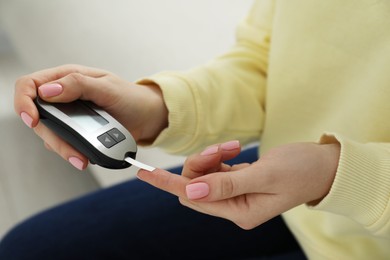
(117, 152)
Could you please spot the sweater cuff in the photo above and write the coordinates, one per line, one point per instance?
(183, 115)
(361, 187)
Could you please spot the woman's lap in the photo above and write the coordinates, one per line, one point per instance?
(134, 220)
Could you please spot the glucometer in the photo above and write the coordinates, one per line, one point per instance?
(92, 131)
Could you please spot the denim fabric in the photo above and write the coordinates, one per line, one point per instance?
(134, 220)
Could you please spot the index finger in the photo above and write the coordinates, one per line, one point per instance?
(164, 180)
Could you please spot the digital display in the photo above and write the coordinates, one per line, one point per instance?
(82, 115)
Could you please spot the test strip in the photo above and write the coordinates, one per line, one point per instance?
(139, 164)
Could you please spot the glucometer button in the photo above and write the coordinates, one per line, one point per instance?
(106, 140)
(116, 135)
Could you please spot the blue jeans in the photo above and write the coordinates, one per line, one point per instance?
(134, 220)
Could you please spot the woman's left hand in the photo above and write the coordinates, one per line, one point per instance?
(250, 194)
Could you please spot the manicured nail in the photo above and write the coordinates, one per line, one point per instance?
(210, 150)
(231, 145)
(197, 190)
(76, 162)
(50, 90)
(26, 119)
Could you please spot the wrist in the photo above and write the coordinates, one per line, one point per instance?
(157, 118)
(331, 155)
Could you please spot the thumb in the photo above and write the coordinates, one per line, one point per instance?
(71, 87)
(225, 185)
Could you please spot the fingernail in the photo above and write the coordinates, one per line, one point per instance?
(50, 90)
(210, 150)
(26, 119)
(231, 145)
(197, 190)
(76, 162)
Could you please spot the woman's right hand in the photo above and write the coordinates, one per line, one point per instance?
(141, 109)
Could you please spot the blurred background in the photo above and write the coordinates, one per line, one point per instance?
(131, 38)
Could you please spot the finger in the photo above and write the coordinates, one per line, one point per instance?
(246, 211)
(25, 93)
(221, 209)
(164, 180)
(237, 210)
(77, 86)
(224, 185)
(239, 166)
(62, 148)
(202, 207)
(47, 75)
(210, 160)
(26, 88)
(47, 146)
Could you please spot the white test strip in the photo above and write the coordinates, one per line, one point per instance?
(139, 164)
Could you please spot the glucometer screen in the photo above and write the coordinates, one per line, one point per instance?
(82, 115)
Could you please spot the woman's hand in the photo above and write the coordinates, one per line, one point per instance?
(250, 194)
(140, 109)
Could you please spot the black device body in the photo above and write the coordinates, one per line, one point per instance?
(89, 143)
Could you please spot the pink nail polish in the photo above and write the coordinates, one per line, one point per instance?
(197, 190)
(231, 145)
(26, 119)
(76, 162)
(50, 90)
(210, 150)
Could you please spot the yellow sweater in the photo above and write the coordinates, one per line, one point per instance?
(303, 70)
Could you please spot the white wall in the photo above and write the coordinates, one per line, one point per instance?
(130, 37)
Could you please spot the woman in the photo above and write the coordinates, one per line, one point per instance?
(305, 78)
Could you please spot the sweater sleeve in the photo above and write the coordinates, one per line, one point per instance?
(361, 189)
(223, 99)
